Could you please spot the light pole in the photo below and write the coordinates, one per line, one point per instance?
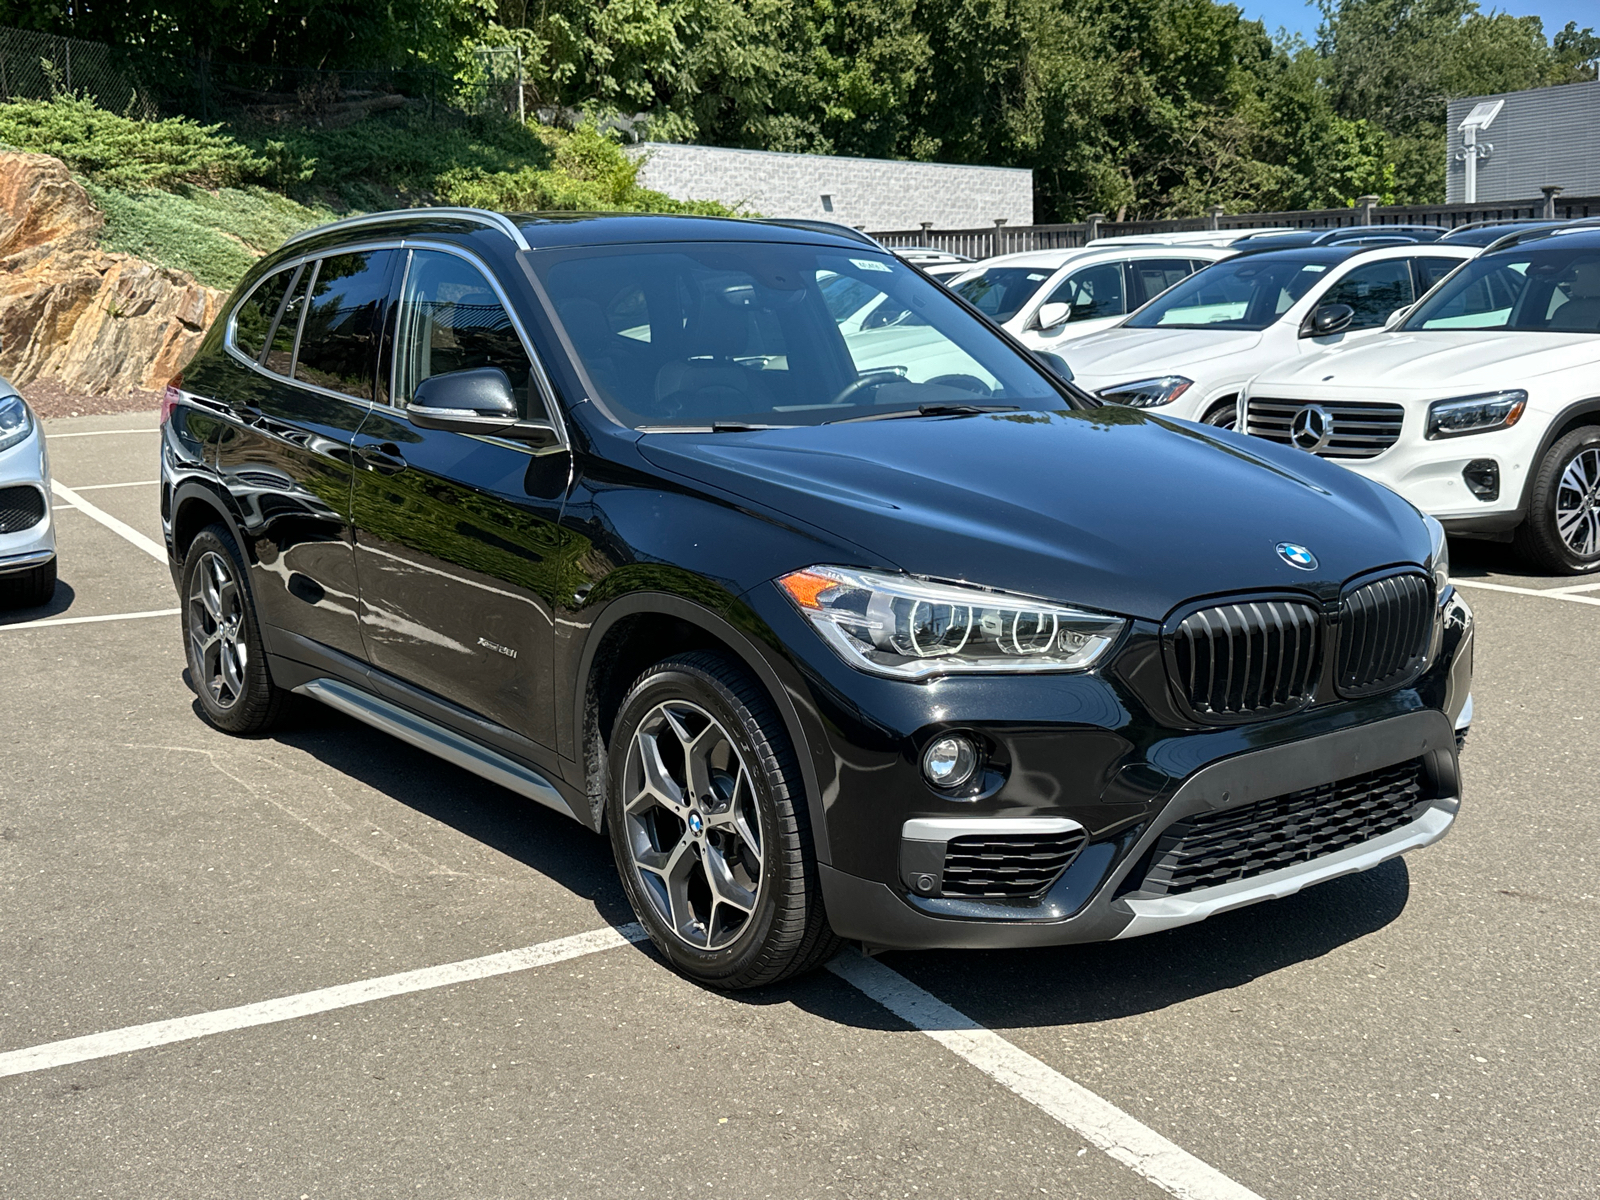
(1475, 122)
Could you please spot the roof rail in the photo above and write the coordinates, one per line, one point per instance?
(491, 220)
(1541, 232)
(1490, 221)
(1362, 233)
(838, 230)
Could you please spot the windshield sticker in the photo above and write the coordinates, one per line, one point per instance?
(1313, 268)
(870, 264)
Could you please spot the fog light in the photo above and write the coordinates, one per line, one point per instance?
(1482, 477)
(950, 761)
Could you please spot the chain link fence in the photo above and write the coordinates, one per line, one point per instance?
(36, 66)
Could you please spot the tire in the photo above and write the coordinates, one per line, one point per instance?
(1223, 416)
(32, 588)
(1561, 534)
(709, 724)
(222, 638)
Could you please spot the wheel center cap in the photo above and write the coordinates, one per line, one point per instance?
(697, 823)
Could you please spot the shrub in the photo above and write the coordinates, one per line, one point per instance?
(120, 152)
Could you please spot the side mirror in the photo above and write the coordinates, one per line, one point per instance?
(475, 401)
(1054, 363)
(1329, 318)
(1053, 314)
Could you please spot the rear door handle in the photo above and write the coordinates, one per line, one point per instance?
(383, 457)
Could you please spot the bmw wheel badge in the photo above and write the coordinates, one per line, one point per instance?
(1297, 556)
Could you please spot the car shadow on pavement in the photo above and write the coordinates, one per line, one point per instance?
(59, 603)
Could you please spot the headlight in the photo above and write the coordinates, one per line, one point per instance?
(16, 422)
(1438, 557)
(1475, 414)
(1147, 393)
(912, 628)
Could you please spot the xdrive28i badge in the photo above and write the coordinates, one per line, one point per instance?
(1297, 556)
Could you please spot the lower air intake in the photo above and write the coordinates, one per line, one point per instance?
(20, 508)
(1007, 866)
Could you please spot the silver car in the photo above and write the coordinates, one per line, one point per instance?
(27, 532)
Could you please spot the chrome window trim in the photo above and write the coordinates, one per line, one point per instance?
(490, 220)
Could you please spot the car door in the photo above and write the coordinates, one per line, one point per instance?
(1098, 294)
(284, 452)
(458, 547)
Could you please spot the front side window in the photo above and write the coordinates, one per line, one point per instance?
(1549, 290)
(1000, 292)
(253, 319)
(339, 337)
(1093, 292)
(776, 334)
(451, 319)
(1248, 292)
(1374, 291)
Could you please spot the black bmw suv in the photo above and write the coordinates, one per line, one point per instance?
(751, 547)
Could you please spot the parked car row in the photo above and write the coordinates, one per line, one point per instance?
(1460, 368)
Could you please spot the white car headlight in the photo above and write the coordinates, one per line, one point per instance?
(910, 628)
(1438, 556)
(16, 422)
(1147, 393)
(1475, 414)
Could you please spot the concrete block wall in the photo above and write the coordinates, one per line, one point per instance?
(874, 193)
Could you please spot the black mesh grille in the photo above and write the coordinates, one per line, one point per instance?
(1011, 864)
(20, 508)
(1384, 630)
(1253, 659)
(1354, 430)
(1217, 848)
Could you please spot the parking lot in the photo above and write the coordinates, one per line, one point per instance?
(1428, 1029)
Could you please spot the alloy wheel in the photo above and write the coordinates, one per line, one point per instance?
(1578, 503)
(216, 629)
(693, 826)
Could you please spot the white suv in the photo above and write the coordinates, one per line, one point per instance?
(1190, 352)
(1050, 297)
(1481, 405)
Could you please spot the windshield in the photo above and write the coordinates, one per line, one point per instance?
(691, 334)
(1239, 293)
(1000, 292)
(1550, 290)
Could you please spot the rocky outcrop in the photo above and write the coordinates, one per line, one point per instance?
(74, 314)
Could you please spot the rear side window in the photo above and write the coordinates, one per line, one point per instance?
(1156, 275)
(253, 319)
(1374, 291)
(1431, 270)
(452, 320)
(339, 340)
(280, 351)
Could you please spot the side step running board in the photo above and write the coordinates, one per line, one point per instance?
(436, 739)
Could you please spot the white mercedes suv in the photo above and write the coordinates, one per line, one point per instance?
(1481, 405)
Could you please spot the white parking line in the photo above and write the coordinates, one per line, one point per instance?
(1135, 1145)
(1548, 594)
(100, 487)
(103, 432)
(154, 549)
(46, 621)
(267, 1012)
(1581, 587)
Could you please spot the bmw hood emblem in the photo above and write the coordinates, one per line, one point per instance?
(1297, 556)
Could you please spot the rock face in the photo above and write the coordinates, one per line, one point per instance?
(74, 314)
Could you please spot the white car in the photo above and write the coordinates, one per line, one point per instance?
(1191, 351)
(940, 264)
(27, 532)
(1050, 297)
(1481, 405)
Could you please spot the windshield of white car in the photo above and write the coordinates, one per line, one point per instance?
(1239, 293)
(1552, 289)
(755, 334)
(1000, 292)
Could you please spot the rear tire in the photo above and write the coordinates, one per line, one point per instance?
(222, 638)
(1561, 534)
(33, 588)
(708, 821)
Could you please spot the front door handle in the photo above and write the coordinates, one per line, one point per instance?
(383, 457)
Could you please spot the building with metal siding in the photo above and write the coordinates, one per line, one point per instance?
(1542, 137)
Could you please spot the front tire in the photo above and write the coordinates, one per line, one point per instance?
(1223, 416)
(709, 826)
(1562, 531)
(227, 660)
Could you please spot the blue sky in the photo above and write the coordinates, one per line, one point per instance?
(1302, 18)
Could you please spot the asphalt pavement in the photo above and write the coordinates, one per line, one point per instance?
(1425, 1030)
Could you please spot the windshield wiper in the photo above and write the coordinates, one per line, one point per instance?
(929, 410)
(742, 427)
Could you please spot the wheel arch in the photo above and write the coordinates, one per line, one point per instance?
(642, 628)
(1574, 416)
(194, 506)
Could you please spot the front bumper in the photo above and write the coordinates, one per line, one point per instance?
(27, 464)
(1105, 892)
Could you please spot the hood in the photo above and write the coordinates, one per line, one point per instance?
(1111, 508)
(1436, 363)
(1121, 355)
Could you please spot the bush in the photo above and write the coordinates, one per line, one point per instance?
(120, 152)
